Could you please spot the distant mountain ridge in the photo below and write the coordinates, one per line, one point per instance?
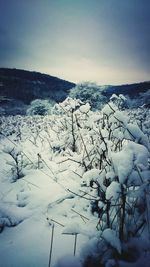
(19, 87)
(132, 90)
(28, 85)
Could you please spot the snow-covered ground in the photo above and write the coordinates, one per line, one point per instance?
(60, 178)
(30, 205)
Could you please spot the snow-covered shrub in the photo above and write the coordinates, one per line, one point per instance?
(16, 162)
(2, 111)
(72, 116)
(68, 261)
(89, 92)
(145, 98)
(114, 154)
(40, 107)
(106, 153)
(119, 100)
(121, 180)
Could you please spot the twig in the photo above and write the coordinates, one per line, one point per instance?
(30, 183)
(75, 243)
(80, 195)
(58, 222)
(51, 246)
(80, 214)
(88, 193)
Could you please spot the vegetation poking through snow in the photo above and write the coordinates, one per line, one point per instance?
(100, 160)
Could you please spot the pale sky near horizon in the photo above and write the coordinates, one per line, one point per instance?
(106, 41)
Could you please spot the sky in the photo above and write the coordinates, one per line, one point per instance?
(104, 41)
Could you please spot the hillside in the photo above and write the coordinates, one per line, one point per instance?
(132, 90)
(20, 87)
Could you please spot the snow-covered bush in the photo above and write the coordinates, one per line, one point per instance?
(143, 99)
(119, 100)
(40, 107)
(68, 261)
(106, 156)
(114, 155)
(122, 183)
(72, 117)
(89, 92)
(16, 162)
(2, 111)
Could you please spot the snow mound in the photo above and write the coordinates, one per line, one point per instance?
(138, 135)
(123, 163)
(113, 191)
(132, 155)
(85, 108)
(110, 236)
(109, 109)
(11, 215)
(93, 174)
(68, 261)
(73, 228)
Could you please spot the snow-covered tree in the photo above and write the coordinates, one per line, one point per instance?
(40, 107)
(89, 92)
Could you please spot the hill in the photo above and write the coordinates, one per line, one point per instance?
(132, 90)
(20, 87)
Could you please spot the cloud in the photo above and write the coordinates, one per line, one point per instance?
(77, 38)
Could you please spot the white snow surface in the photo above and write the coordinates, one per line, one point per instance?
(123, 163)
(85, 108)
(132, 155)
(110, 236)
(113, 191)
(68, 261)
(109, 109)
(73, 228)
(28, 205)
(53, 178)
(93, 174)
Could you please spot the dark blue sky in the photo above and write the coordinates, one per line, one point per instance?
(107, 41)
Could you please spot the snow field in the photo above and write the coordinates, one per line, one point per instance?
(85, 173)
